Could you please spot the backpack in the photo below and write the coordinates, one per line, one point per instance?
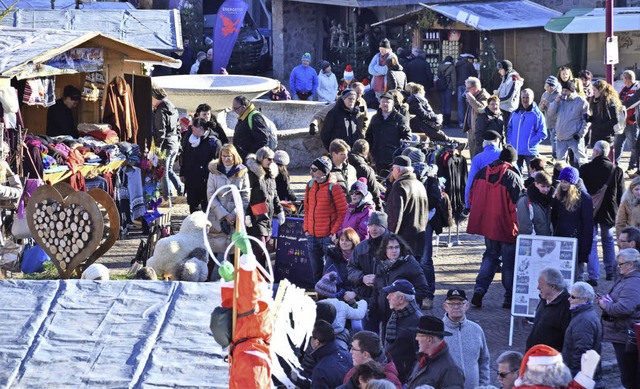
(272, 130)
(621, 116)
(441, 81)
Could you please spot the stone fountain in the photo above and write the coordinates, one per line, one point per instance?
(188, 91)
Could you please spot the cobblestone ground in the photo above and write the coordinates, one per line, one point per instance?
(456, 266)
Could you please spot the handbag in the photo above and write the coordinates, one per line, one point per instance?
(598, 197)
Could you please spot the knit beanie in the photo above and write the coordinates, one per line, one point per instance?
(385, 43)
(306, 57)
(569, 174)
(323, 163)
(379, 219)
(348, 73)
(505, 64)
(97, 271)
(327, 286)
(359, 187)
(323, 65)
(325, 311)
(569, 85)
(281, 158)
(552, 81)
(508, 154)
(416, 156)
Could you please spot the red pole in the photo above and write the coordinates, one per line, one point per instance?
(609, 31)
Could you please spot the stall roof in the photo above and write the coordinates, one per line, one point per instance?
(588, 20)
(22, 48)
(158, 30)
(487, 16)
(66, 4)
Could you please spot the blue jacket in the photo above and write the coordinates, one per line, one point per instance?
(304, 79)
(488, 155)
(526, 129)
(332, 364)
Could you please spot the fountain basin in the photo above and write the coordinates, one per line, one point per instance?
(217, 90)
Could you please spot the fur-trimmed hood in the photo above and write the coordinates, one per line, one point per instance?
(213, 168)
(256, 168)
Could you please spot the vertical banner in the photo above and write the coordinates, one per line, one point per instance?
(228, 24)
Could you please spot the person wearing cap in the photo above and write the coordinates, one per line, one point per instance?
(399, 337)
(602, 177)
(572, 214)
(476, 99)
(60, 116)
(386, 131)
(526, 129)
(303, 80)
(347, 78)
(492, 147)
(407, 204)
(435, 366)
(543, 367)
(468, 344)
(327, 83)
(551, 91)
(359, 159)
(419, 71)
(534, 207)
(464, 70)
(378, 67)
(363, 263)
(366, 346)
(166, 137)
(345, 121)
(360, 209)
(325, 207)
(493, 196)
(570, 112)
(248, 137)
(344, 173)
(509, 89)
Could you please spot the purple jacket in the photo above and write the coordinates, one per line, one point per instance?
(358, 216)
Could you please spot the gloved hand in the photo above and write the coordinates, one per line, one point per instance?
(281, 218)
(439, 118)
(576, 137)
(589, 363)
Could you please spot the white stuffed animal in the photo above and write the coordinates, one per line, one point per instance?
(170, 251)
(193, 267)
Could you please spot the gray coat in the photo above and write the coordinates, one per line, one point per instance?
(223, 204)
(442, 372)
(569, 116)
(539, 224)
(618, 316)
(468, 347)
(12, 189)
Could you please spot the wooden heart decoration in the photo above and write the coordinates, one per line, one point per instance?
(69, 229)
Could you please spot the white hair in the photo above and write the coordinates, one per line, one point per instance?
(554, 376)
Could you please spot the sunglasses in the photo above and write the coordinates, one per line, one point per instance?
(503, 375)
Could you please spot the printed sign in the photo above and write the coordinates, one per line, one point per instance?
(534, 253)
(292, 261)
(80, 59)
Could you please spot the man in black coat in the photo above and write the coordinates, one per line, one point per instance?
(597, 174)
(344, 121)
(358, 159)
(60, 117)
(419, 71)
(464, 70)
(248, 138)
(387, 129)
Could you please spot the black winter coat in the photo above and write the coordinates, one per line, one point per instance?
(424, 117)
(404, 347)
(595, 175)
(407, 208)
(283, 186)
(362, 262)
(249, 139)
(263, 190)
(464, 70)
(419, 71)
(406, 268)
(364, 169)
(576, 224)
(342, 123)
(583, 334)
(194, 165)
(384, 137)
(602, 122)
(396, 79)
(334, 257)
(551, 322)
(487, 121)
(165, 126)
(441, 372)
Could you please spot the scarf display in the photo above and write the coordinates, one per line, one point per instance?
(392, 325)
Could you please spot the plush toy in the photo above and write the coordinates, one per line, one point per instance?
(170, 251)
(194, 266)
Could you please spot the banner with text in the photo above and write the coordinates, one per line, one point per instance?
(228, 23)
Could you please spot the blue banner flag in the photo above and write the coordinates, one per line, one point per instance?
(228, 23)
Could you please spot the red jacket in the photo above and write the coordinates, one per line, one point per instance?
(325, 206)
(493, 197)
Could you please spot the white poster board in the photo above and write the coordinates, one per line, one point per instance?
(534, 253)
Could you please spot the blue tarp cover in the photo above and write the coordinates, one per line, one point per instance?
(109, 334)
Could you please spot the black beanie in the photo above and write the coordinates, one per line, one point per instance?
(508, 154)
(569, 85)
(385, 43)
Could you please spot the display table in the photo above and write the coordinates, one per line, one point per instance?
(86, 170)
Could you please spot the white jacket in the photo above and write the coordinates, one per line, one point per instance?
(327, 87)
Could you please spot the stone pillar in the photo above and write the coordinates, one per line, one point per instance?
(277, 26)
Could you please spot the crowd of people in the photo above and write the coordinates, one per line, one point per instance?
(372, 203)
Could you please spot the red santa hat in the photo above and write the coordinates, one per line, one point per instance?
(538, 356)
(348, 73)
